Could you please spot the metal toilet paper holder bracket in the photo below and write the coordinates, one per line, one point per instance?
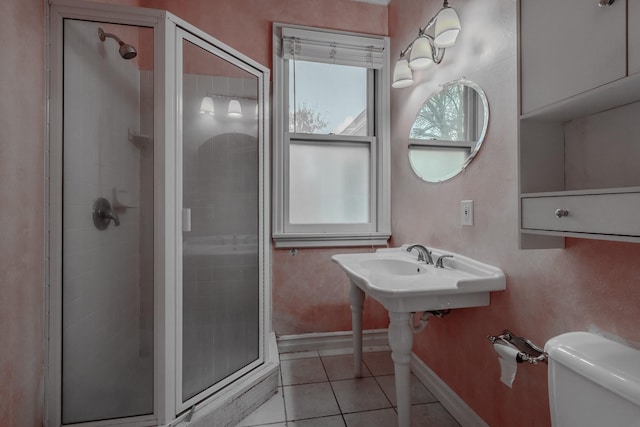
(528, 351)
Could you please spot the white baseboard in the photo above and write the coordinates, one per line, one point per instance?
(330, 341)
(458, 408)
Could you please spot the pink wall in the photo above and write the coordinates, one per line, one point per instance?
(590, 285)
(21, 212)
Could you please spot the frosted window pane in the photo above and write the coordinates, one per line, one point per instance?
(329, 184)
(436, 164)
(327, 99)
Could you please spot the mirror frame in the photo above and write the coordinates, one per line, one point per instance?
(481, 136)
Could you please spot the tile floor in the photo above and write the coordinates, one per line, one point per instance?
(317, 389)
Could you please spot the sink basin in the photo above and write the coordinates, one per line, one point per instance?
(400, 283)
(393, 267)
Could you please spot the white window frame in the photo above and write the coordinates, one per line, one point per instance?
(378, 230)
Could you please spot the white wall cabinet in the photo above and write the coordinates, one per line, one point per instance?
(579, 86)
(568, 47)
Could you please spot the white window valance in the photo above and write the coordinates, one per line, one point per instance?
(332, 48)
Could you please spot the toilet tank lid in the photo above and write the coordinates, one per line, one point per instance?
(607, 363)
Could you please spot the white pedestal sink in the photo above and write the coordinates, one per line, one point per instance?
(403, 285)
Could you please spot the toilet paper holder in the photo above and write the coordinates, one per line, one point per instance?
(528, 351)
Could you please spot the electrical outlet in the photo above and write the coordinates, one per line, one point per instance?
(466, 214)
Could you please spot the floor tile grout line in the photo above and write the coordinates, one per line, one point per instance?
(284, 405)
(375, 378)
(333, 391)
(342, 413)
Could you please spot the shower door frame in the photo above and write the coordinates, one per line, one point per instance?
(187, 32)
(167, 234)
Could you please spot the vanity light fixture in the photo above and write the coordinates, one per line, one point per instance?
(206, 106)
(234, 104)
(235, 110)
(426, 49)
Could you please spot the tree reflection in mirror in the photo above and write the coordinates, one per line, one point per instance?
(448, 131)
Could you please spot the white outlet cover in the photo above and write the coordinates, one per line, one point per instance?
(466, 212)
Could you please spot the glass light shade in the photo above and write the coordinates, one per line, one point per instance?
(421, 54)
(206, 106)
(447, 28)
(402, 76)
(235, 110)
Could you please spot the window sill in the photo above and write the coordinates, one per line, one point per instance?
(327, 240)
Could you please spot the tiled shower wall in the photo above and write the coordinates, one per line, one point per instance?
(101, 269)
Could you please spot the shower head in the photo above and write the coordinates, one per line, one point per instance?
(126, 50)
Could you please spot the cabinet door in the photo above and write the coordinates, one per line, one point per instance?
(634, 36)
(568, 47)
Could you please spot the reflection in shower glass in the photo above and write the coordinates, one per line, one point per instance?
(220, 324)
(107, 274)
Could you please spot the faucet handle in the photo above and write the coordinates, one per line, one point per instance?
(103, 214)
(439, 263)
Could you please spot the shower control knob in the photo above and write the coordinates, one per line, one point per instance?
(103, 215)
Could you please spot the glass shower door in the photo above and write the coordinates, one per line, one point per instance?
(107, 222)
(220, 308)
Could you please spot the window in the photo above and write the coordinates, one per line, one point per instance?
(331, 136)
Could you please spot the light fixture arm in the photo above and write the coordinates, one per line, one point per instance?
(445, 5)
(438, 54)
(422, 31)
(431, 21)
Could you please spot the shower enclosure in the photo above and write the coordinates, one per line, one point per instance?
(159, 250)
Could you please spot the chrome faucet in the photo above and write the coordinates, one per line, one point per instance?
(424, 254)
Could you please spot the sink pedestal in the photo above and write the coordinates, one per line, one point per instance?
(401, 342)
(357, 300)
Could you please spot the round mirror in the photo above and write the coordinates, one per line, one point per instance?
(448, 131)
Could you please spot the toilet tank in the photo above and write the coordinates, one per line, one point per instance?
(593, 382)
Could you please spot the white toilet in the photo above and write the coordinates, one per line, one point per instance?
(593, 382)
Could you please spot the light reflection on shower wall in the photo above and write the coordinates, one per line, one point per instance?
(107, 362)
